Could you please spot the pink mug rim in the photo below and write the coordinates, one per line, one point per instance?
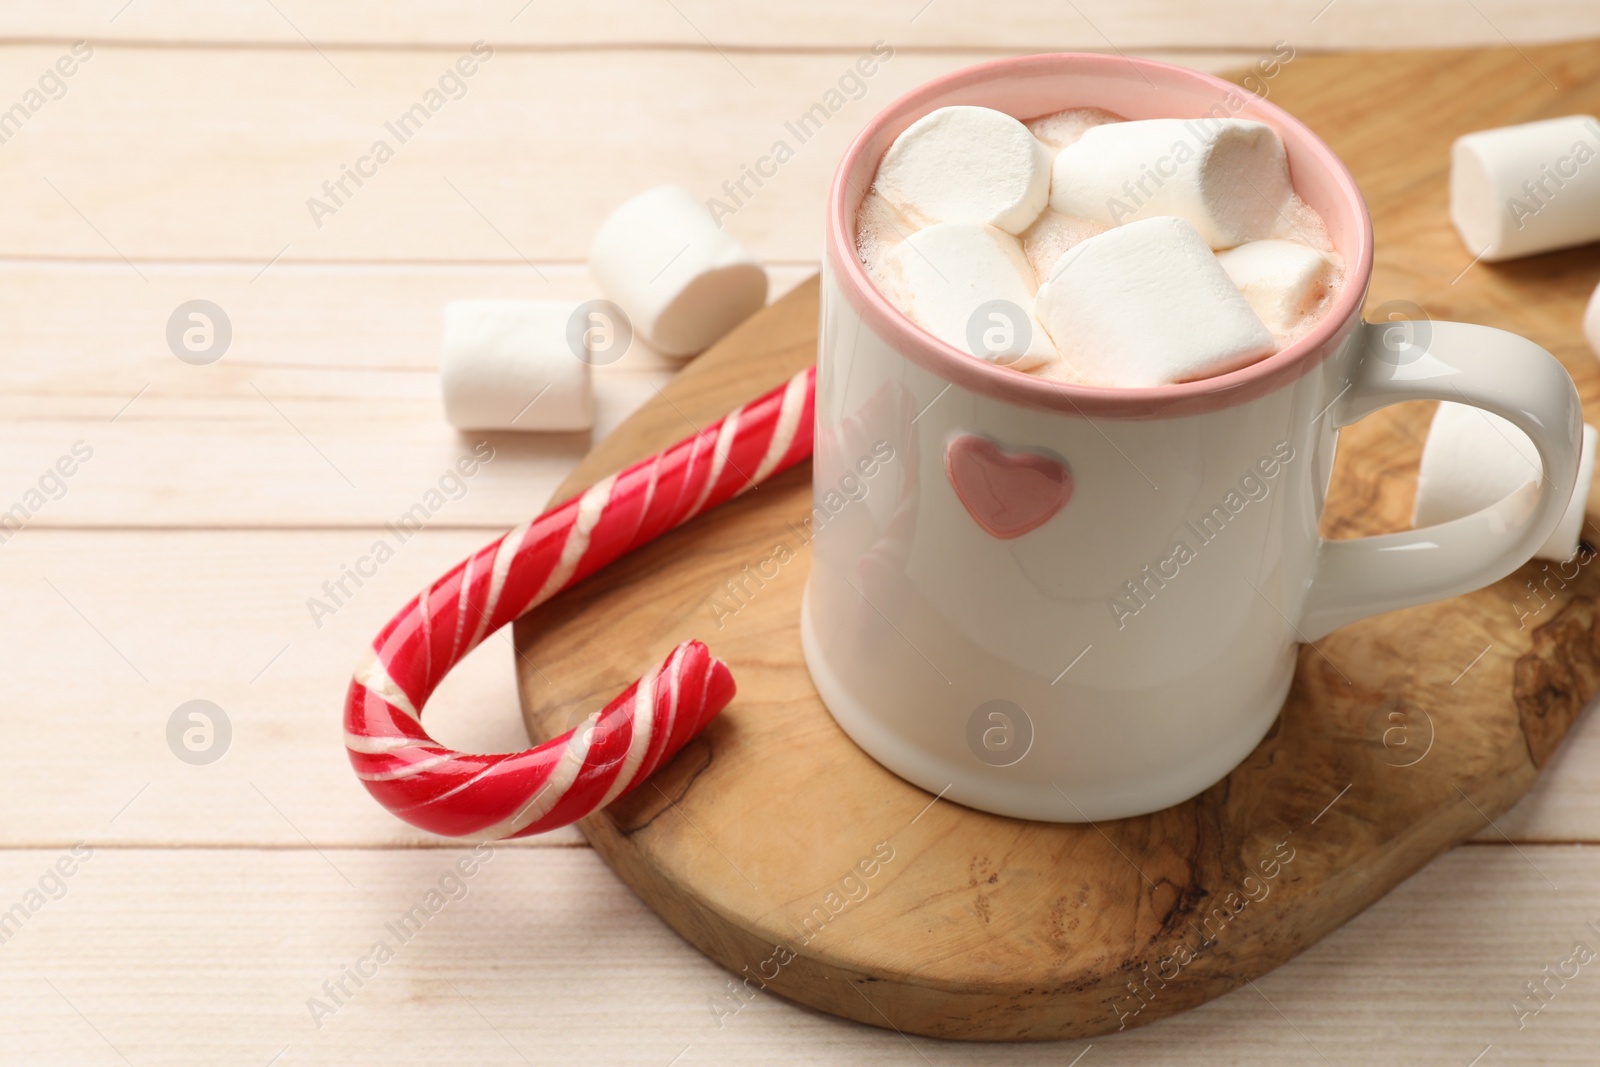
(1003, 383)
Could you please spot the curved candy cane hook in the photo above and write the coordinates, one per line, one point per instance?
(560, 781)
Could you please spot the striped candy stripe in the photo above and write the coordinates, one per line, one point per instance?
(559, 782)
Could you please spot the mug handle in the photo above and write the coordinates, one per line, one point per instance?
(1489, 369)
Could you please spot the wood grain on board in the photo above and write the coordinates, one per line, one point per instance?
(1402, 736)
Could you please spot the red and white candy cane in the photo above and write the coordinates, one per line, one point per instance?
(560, 781)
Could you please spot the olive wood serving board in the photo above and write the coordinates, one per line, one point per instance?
(783, 852)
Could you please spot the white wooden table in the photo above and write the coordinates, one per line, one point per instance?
(210, 909)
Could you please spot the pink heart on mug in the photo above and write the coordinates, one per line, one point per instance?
(1006, 493)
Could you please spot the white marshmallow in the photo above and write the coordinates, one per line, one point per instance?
(967, 164)
(1519, 190)
(683, 281)
(1228, 178)
(508, 365)
(1146, 304)
(1591, 321)
(1473, 459)
(948, 271)
(1283, 280)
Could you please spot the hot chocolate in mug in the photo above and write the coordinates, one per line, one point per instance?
(1074, 603)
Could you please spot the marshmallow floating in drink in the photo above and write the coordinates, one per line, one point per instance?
(1147, 304)
(1228, 177)
(1282, 280)
(683, 281)
(509, 365)
(1156, 306)
(1473, 459)
(967, 164)
(970, 285)
(1520, 190)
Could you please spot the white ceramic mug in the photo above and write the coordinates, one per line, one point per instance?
(999, 609)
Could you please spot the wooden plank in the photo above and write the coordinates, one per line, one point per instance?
(546, 952)
(329, 376)
(218, 151)
(123, 628)
(522, 167)
(1035, 25)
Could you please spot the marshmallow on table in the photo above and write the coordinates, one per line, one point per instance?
(1147, 304)
(1229, 178)
(682, 280)
(1519, 190)
(1473, 459)
(1282, 280)
(950, 270)
(967, 164)
(508, 365)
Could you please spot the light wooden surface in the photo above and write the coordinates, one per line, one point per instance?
(178, 564)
